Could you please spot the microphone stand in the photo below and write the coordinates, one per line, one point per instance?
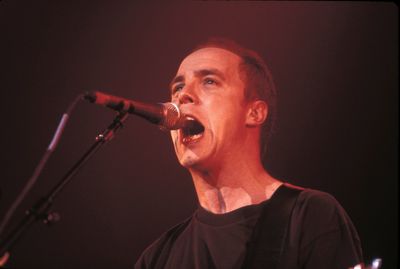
(41, 211)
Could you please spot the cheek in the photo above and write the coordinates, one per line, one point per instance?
(228, 117)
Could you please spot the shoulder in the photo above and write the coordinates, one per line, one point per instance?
(322, 232)
(314, 201)
(320, 208)
(308, 194)
(318, 199)
(317, 214)
(161, 246)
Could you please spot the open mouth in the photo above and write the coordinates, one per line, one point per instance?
(192, 130)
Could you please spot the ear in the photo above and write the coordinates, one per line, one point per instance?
(257, 113)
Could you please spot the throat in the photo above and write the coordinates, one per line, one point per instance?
(221, 202)
(224, 200)
(221, 197)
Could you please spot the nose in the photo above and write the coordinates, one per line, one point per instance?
(187, 96)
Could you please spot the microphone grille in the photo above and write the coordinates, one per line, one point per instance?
(172, 116)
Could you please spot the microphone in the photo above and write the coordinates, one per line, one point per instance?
(166, 115)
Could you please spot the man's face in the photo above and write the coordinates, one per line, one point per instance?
(209, 90)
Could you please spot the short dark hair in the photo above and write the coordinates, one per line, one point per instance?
(258, 81)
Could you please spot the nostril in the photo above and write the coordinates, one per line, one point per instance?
(185, 98)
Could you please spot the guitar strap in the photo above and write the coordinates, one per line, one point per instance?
(264, 250)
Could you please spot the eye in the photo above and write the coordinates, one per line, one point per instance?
(209, 81)
(177, 88)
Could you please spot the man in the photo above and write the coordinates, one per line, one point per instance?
(246, 218)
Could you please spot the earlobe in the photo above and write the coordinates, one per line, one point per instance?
(257, 113)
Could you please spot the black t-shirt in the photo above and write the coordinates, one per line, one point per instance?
(320, 235)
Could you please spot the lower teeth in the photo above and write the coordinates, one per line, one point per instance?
(191, 138)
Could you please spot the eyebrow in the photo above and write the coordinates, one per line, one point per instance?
(176, 80)
(199, 73)
(212, 71)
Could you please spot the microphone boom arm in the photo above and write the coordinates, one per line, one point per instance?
(41, 209)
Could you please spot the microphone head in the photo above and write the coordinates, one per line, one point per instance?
(172, 117)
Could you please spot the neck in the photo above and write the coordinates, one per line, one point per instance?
(224, 189)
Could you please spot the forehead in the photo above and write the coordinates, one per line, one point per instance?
(207, 58)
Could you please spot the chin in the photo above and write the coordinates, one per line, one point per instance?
(195, 163)
(188, 160)
(188, 163)
(194, 155)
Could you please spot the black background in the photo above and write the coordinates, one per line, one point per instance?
(335, 66)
